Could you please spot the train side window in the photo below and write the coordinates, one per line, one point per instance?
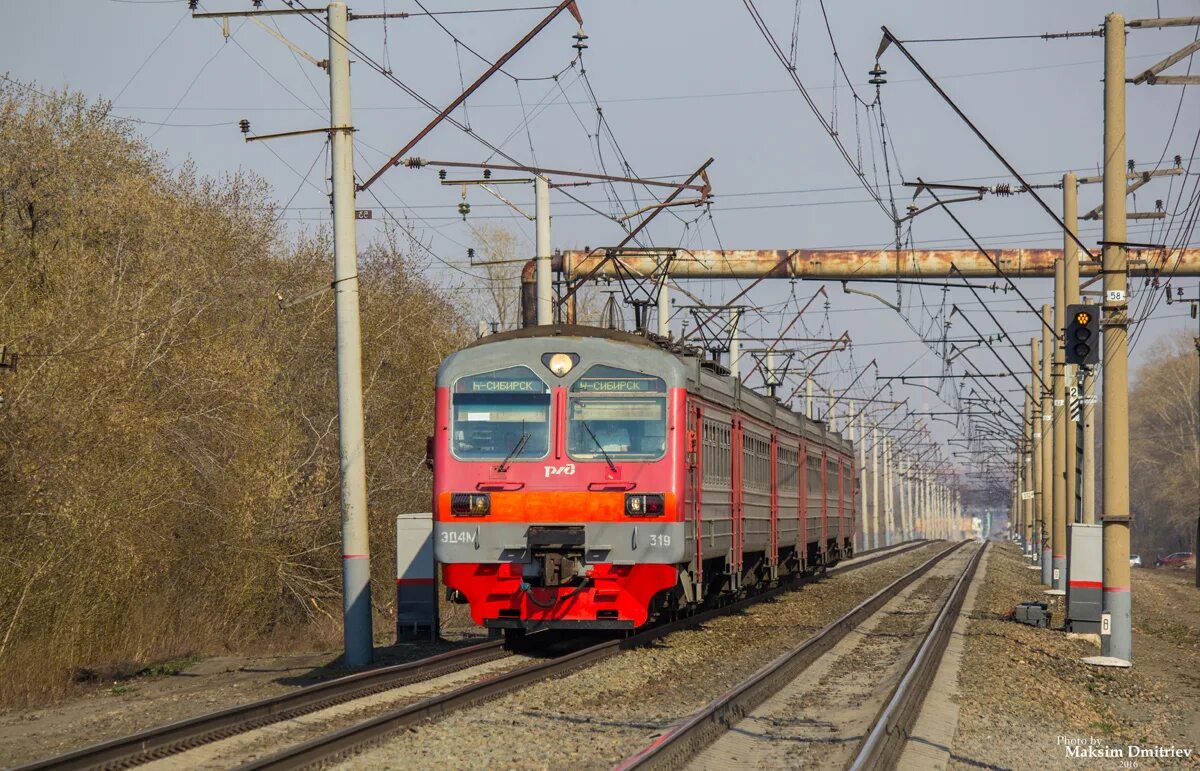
(814, 475)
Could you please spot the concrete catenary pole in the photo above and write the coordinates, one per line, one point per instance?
(922, 513)
(862, 475)
(1087, 484)
(808, 397)
(1047, 450)
(1071, 290)
(735, 343)
(1027, 479)
(664, 311)
(901, 481)
(544, 278)
(1058, 573)
(852, 435)
(1117, 601)
(356, 567)
(877, 519)
(1038, 531)
(890, 509)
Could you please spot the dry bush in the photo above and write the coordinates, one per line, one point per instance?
(168, 444)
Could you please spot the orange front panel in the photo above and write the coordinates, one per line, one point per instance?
(563, 506)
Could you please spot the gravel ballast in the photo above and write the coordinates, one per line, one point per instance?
(596, 717)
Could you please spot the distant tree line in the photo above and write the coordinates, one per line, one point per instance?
(1164, 431)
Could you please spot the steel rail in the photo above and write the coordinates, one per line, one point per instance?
(884, 743)
(173, 738)
(685, 740)
(361, 735)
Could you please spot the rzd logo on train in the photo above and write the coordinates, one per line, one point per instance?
(555, 471)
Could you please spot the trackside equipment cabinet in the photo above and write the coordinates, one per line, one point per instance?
(1085, 561)
(416, 582)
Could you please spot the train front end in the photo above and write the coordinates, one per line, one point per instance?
(558, 477)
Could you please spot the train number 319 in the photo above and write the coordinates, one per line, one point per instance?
(663, 540)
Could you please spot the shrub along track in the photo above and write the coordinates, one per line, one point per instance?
(295, 711)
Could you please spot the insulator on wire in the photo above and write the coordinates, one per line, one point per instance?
(487, 173)
(1178, 161)
(1158, 204)
(470, 255)
(192, 4)
(1132, 163)
(441, 173)
(1003, 189)
(579, 36)
(877, 73)
(244, 125)
(464, 209)
(257, 3)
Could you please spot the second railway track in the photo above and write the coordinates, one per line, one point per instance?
(845, 697)
(345, 715)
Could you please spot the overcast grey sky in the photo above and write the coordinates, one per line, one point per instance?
(678, 82)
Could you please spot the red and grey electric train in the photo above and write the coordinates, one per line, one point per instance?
(588, 478)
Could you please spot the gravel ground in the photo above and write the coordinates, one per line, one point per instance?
(818, 719)
(135, 704)
(1024, 695)
(595, 717)
(261, 742)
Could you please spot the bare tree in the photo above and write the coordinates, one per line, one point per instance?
(1165, 444)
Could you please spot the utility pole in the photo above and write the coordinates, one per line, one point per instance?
(1058, 575)
(1152, 76)
(889, 510)
(356, 569)
(862, 474)
(1027, 484)
(1087, 484)
(1117, 646)
(852, 435)
(878, 521)
(664, 316)
(1070, 374)
(1047, 451)
(356, 566)
(735, 343)
(1038, 529)
(541, 213)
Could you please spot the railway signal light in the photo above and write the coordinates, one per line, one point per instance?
(1083, 335)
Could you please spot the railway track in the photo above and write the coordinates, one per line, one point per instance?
(160, 744)
(831, 710)
(165, 740)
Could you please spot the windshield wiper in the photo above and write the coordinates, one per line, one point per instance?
(516, 450)
(599, 446)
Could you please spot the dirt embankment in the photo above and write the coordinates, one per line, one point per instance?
(1026, 697)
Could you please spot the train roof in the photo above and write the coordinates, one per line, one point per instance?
(680, 366)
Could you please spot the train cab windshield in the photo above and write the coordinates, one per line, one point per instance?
(616, 413)
(502, 415)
